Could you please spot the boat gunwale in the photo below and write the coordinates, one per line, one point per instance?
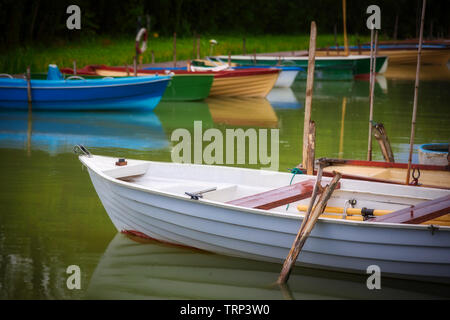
(224, 205)
(64, 84)
(301, 58)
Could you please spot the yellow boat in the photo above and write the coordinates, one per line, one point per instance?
(244, 83)
(249, 82)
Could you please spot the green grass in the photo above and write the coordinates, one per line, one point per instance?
(120, 51)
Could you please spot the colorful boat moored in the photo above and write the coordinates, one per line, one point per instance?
(77, 93)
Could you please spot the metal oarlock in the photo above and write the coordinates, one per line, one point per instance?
(199, 194)
(79, 149)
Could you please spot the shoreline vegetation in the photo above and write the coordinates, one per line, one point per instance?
(120, 51)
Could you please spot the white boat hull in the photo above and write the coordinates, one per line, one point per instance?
(399, 250)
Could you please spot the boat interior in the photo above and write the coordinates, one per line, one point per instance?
(435, 178)
(270, 190)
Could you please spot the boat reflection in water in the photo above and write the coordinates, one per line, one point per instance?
(283, 98)
(58, 132)
(246, 112)
(182, 114)
(135, 268)
(427, 72)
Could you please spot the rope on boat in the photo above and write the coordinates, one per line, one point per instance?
(294, 171)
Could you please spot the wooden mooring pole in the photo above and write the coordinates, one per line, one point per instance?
(311, 148)
(174, 49)
(416, 94)
(344, 14)
(309, 92)
(373, 60)
(198, 46)
(28, 77)
(308, 223)
(341, 137)
(74, 67)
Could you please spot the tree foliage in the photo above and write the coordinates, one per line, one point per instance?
(44, 20)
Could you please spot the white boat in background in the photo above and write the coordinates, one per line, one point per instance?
(286, 77)
(149, 199)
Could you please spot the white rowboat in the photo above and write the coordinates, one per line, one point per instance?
(149, 198)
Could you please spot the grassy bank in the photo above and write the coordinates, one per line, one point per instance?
(119, 51)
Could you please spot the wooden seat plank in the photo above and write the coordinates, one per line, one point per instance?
(277, 197)
(419, 213)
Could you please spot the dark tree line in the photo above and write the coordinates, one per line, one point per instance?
(28, 21)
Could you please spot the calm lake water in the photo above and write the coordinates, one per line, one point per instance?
(51, 217)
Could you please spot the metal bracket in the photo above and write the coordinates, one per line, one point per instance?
(79, 149)
(433, 228)
(199, 194)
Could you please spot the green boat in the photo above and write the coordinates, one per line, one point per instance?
(188, 87)
(326, 68)
(184, 86)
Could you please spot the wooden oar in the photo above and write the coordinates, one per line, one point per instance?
(350, 211)
(308, 224)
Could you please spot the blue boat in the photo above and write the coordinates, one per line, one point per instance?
(77, 93)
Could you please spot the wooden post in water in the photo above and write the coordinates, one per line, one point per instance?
(28, 76)
(311, 149)
(309, 91)
(359, 47)
(229, 59)
(344, 14)
(29, 129)
(335, 36)
(395, 27)
(128, 70)
(174, 49)
(308, 224)
(198, 46)
(74, 67)
(373, 60)
(416, 94)
(341, 138)
(194, 46)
